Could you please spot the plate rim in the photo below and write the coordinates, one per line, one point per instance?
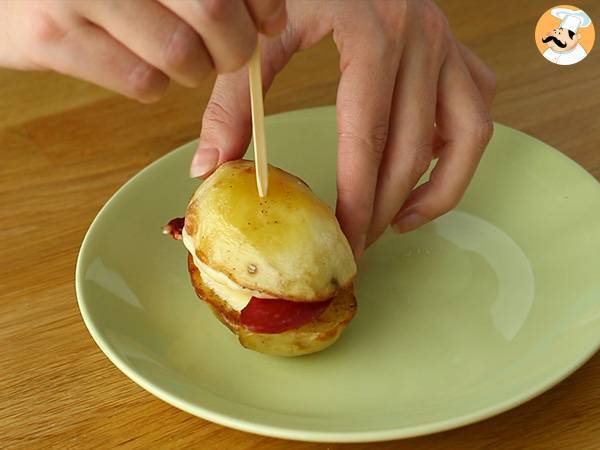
(300, 434)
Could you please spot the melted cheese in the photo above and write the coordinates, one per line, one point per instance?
(236, 296)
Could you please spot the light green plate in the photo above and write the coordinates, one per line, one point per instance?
(465, 318)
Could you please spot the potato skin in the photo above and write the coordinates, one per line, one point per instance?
(287, 245)
(312, 337)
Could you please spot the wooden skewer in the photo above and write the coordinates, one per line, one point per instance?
(258, 124)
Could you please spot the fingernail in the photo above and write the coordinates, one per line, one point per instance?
(359, 248)
(408, 222)
(205, 160)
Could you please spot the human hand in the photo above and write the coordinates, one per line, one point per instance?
(402, 72)
(135, 47)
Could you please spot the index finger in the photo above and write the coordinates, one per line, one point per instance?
(363, 109)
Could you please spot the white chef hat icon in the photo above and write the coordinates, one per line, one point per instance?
(570, 19)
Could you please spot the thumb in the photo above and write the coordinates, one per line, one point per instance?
(227, 122)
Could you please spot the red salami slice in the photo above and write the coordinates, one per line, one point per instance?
(174, 228)
(274, 315)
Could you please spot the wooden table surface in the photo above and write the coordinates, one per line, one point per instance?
(66, 146)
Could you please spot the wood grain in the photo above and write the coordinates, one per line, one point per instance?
(66, 146)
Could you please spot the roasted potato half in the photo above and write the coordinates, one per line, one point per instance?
(312, 337)
(287, 245)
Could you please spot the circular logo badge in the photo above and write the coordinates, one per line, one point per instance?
(564, 35)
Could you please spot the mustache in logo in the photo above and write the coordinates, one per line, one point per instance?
(555, 40)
